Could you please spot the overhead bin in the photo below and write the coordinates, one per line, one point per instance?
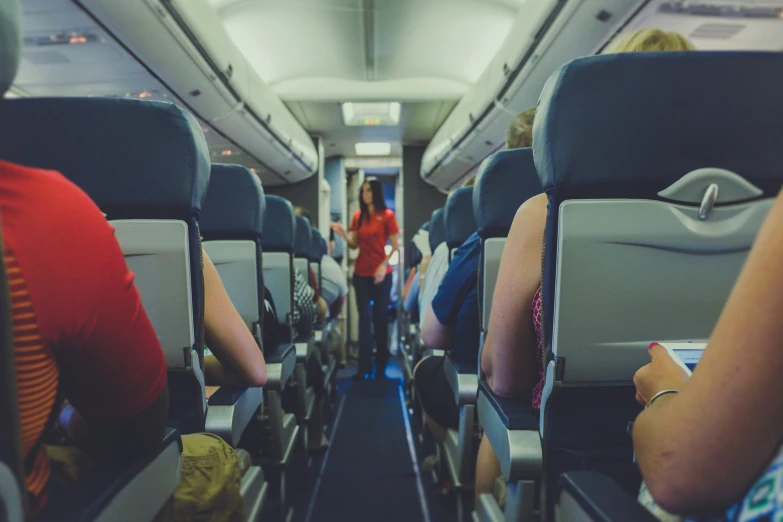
(185, 44)
(545, 35)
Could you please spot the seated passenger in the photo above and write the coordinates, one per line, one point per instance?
(321, 304)
(452, 324)
(705, 442)
(432, 270)
(512, 359)
(80, 332)
(95, 348)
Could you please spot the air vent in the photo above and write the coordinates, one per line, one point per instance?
(44, 57)
(717, 31)
(720, 10)
(65, 38)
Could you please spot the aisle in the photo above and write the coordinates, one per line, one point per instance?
(369, 473)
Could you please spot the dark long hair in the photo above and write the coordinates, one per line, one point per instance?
(377, 199)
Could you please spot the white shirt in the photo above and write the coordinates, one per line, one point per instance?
(436, 271)
(333, 283)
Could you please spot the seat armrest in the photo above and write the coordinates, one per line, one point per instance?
(10, 496)
(230, 410)
(129, 493)
(590, 495)
(280, 365)
(305, 345)
(463, 381)
(512, 429)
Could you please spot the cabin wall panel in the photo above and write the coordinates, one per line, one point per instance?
(419, 197)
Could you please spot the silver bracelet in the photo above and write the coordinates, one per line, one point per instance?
(660, 394)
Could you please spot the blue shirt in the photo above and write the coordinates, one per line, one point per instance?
(456, 303)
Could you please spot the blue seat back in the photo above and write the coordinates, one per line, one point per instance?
(279, 233)
(437, 229)
(458, 217)
(302, 245)
(278, 241)
(627, 146)
(316, 246)
(504, 181)
(232, 224)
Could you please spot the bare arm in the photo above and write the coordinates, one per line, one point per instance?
(434, 334)
(702, 448)
(509, 355)
(350, 239)
(228, 337)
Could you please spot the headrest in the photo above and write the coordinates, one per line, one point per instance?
(505, 180)
(316, 248)
(234, 206)
(10, 42)
(324, 247)
(279, 226)
(458, 216)
(134, 158)
(302, 238)
(630, 125)
(437, 229)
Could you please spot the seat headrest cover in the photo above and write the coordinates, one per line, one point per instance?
(437, 229)
(10, 42)
(505, 180)
(122, 153)
(458, 216)
(316, 251)
(302, 241)
(235, 203)
(279, 226)
(629, 125)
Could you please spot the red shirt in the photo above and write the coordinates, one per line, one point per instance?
(77, 316)
(373, 236)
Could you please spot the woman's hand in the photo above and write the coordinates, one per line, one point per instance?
(380, 273)
(662, 373)
(339, 229)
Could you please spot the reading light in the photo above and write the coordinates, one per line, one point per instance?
(373, 149)
(371, 114)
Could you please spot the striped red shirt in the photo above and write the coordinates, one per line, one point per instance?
(77, 316)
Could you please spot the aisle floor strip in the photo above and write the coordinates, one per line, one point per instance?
(425, 512)
(311, 506)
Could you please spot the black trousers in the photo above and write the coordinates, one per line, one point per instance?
(372, 301)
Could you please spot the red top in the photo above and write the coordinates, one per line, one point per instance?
(77, 315)
(372, 236)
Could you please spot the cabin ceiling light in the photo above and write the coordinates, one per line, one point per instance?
(371, 114)
(373, 149)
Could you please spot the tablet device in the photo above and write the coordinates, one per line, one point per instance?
(686, 354)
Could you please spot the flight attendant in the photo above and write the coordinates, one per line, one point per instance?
(372, 227)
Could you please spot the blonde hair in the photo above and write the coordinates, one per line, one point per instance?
(651, 40)
(470, 181)
(520, 130)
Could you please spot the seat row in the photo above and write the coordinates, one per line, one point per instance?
(659, 170)
(146, 165)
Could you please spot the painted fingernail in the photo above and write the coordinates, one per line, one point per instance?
(651, 345)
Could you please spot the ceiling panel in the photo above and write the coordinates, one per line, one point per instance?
(299, 38)
(453, 40)
(418, 123)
